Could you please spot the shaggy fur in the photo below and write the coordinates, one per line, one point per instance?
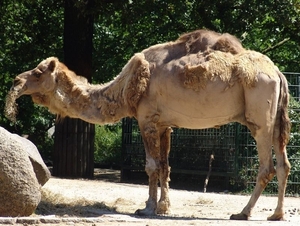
(137, 84)
(216, 65)
(108, 97)
(205, 40)
(249, 64)
(243, 67)
(194, 46)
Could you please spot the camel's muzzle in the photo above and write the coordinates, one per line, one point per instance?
(18, 86)
(16, 82)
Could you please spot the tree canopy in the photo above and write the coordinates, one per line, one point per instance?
(33, 30)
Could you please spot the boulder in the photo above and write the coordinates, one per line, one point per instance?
(41, 170)
(19, 187)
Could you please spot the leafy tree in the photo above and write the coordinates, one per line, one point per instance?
(123, 28)
(33, 30)
(26, 38)
(271, 27)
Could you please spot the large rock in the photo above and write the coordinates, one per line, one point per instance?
(19, 187)
(41, 170)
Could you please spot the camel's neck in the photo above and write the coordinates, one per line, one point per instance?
(98, 104)
(103, 104)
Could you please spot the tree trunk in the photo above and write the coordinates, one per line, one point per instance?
(74, 149)
(74, 138)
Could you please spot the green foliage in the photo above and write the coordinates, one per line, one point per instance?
(108, 142)
(123, 29)
(126, 27)
(30, 32)
(33, 30)
(294, 145)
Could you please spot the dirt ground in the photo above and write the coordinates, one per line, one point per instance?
(116, 202)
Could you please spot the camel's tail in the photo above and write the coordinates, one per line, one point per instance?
(282, 112)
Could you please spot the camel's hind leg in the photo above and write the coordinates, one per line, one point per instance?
(164, 172)
(282, 172)
(260, 116)
(265, 174)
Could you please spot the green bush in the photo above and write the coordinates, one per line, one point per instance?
(108, 143)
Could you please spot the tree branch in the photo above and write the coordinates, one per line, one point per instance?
(275, 46)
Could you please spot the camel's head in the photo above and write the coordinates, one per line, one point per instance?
(40, 80)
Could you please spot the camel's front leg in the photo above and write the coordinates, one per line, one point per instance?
(164, 172)
(151, 140)
(151, 203)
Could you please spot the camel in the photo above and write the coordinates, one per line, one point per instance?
(201, 80)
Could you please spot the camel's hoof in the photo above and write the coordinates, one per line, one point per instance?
(239, 216)
(145, 212)
(163, 207)
(276, 217)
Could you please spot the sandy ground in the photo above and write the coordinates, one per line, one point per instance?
(188, 207)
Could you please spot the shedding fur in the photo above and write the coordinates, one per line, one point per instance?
(70, 91)
(248, 64)
(206, 40)
(136, 84)
(191, 48)
(152, 138)
(67, 82)
(243, 67)
(217, 65)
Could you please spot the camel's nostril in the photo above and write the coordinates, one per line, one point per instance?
(16, 81)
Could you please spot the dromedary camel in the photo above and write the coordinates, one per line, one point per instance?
(201, 80)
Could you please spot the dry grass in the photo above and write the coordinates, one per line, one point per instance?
(11, 107)
(55, 204)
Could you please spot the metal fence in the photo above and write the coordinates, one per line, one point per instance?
(235, 161)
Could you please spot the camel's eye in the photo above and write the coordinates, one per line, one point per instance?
(37, 73)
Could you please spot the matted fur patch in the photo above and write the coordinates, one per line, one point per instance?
(217, 65)
(249, 64)
(138, 82)
(243, 67)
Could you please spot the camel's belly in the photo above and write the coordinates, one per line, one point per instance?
(185, 121)
(213, 106)
(195, 115)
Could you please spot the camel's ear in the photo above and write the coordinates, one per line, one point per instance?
(52, 65)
